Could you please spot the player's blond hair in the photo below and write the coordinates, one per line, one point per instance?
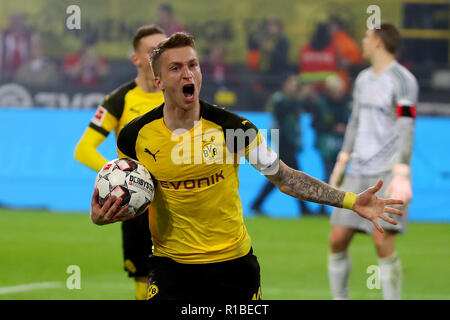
(177, 40)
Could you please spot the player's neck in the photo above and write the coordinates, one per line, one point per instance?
(146, 83)
(176, 117)
(381, 61)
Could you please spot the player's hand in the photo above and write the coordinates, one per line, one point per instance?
(400, 186)
(110, 212)
(337, 175)
(370, 207)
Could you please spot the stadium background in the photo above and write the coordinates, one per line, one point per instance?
(40, 126)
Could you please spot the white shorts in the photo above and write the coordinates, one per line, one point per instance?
(348, 218)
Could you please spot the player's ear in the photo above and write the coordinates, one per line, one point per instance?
(135, 59)
(379, 42)
(158, 82)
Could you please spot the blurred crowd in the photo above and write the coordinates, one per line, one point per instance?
(318, 83)
(330, 56)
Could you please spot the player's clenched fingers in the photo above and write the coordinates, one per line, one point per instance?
(115, 207)
(121, 212)
(387, 219)
(112, 210)
(394, 211)
(107, 204)
(94, 201)
(125, 218)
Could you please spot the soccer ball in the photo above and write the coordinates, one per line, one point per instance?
(127, 179)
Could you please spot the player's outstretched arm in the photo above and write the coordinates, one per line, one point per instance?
(110, 212)
(302, 186)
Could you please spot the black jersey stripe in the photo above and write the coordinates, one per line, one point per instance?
(230, 121)
(101, 130)
(126, 141)
(115, 101)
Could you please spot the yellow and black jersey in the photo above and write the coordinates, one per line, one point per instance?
(119, 107)
(123, 105)
(198, 209)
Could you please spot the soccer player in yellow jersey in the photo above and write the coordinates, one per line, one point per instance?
(120, 107)
(202, 249)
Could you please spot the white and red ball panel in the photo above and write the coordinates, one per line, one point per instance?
(127, 179)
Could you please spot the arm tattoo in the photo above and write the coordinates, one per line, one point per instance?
(302, 186)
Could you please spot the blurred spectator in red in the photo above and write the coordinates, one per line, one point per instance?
(255, 35)
(348, 50)
(15, 45)
(319, 58)
(39, 71)
(166, 20)
(85, 67)
(254, 40)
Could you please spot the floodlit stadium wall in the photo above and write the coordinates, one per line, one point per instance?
(38, 169)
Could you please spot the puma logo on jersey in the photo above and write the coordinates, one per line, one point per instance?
(152, 154)
(244, 122)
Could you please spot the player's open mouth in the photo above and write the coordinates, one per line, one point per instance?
(188, 91)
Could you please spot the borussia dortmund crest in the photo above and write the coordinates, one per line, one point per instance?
(210, 151)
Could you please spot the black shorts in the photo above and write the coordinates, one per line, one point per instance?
(137, 245)
(237, 279)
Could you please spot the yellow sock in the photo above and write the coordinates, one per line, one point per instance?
(141, 290)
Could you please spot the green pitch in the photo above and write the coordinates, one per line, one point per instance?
(37, 247)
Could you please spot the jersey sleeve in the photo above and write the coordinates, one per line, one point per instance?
(353, 123)
(405, 98)
(126, 141)
(101, 124)
(86, 150)
(105, 118)
(110, 111)
(244, 139)
(406, 92)
(262, 157)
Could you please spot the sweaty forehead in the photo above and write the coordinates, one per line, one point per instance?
(179, 55)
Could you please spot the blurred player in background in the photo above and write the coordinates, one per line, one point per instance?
(330, 111)
(286, 107)
(378, 141)
(120, 107)
(202, 249)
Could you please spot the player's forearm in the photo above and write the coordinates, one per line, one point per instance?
(302, 186)
(405, 129)
(350, 133)
(90, 157)
(86, 150)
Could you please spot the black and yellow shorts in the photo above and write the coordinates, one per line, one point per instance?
(237, 279)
